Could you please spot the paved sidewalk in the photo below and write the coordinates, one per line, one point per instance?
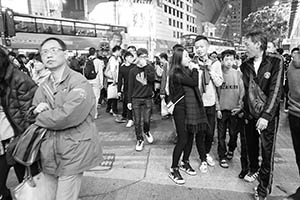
(144, 175)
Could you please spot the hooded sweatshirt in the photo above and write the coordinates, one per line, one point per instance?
(293, 75)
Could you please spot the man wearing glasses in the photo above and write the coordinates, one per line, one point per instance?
(65, 106)
(140, 84)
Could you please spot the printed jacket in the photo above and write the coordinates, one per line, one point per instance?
(269, 78)
(72, 144)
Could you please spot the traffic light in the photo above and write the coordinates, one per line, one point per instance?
(9, 22)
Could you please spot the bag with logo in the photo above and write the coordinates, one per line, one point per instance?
(257, 99)
(89, 70)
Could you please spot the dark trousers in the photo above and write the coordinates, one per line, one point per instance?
(228, 121)
(268, 141)
(4, 170)
(112, 104)
(286, 94)
(184, 139)
(295, 132)
(200, 144)
(244, 152)
(126, 112)
(141, 107)
(211, 117)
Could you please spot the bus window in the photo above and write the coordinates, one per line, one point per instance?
(24, 24)
(85, 29)
(48, 26)
(68, 28)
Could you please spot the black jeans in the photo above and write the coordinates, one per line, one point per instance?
(4, 170)
(295, 132)
(268, 141)
(228, 121)
(141, 107)
(112, 104)
(184, 139)
(211, 117)
(126, 112)
(244, 151)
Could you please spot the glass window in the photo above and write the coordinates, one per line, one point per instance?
(170, 21)
(166, 8)
(170, 10)
(174, 23)
(48, 26)
(24, 24)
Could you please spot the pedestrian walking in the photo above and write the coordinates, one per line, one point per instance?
(97, 81)
(65, 104)
(262, 77)
(111, 73)
(140, 84)
(123, 84)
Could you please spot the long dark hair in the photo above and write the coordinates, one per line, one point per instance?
(177, 70)
(4, 63)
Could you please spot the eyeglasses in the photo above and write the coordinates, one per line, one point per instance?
(52, 50)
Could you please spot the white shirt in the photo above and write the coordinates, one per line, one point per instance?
(210, 96)
(99, 65)
(6, 131)
(257, 63)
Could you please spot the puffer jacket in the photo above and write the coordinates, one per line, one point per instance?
(17, 97)
(72, 145)
(270, 80)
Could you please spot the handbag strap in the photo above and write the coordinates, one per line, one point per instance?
(179, 99)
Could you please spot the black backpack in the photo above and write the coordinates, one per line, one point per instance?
(89, 69)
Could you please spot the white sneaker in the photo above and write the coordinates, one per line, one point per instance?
(139, 145)
(203, 167)
(250, 177)
(130, 123)
(149, 137)
(210, 161)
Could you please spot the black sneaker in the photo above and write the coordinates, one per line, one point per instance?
(175, 176)
(229, 155)
(243, 173)
(186, 167)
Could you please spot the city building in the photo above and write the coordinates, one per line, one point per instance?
(155, 25)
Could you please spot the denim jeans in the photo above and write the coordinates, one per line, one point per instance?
(141, 108)
(228, 121)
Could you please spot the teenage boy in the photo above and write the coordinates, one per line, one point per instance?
(140, 84)
(266, 71)
(123, 81)
(210, 77)
(230, 104)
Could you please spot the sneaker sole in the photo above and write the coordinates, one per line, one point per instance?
(183, 182)
(181, 169)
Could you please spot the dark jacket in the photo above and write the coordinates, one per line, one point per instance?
(269, 78)
(16, 98)
(140, 82)
(179, 80)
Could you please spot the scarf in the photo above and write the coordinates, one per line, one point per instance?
(196, 119)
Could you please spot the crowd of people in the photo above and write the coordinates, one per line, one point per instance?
(226, 92)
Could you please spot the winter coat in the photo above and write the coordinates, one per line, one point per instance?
(72, 146)
(16, 98)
